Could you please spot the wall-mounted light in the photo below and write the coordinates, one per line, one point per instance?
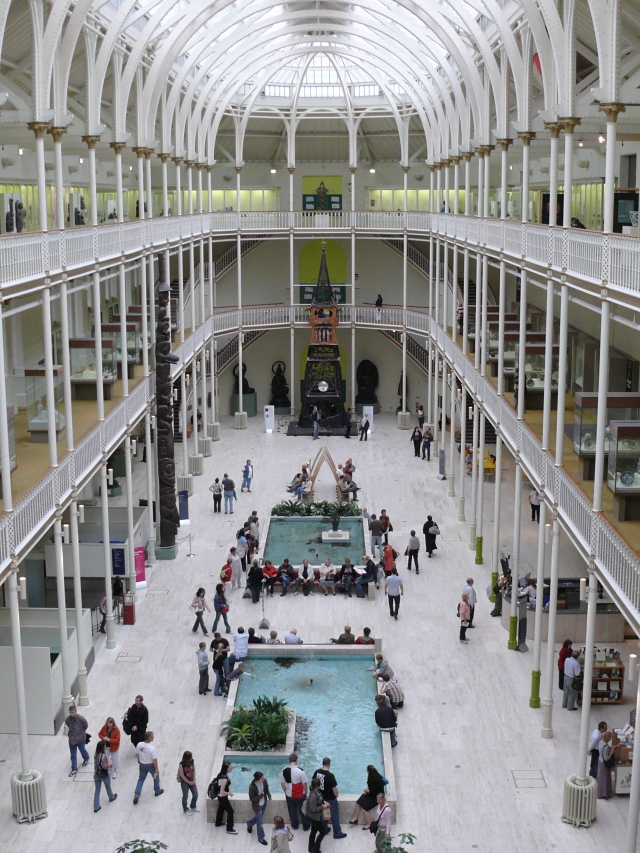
(110, 476)
(131, 168)
(81, 513)
(23, 588)
(373, 171)
(21, 151)
(273, 171)
(65, 534)
(81, 161)
(511, 168)
(633, 666)
(547, 534)
(581, 144)
(134, 447)
(601, 139)
(153, 421)
(583, 589)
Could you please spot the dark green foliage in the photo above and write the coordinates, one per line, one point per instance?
(387, 845)
(289, 509)
(259, 728)
(142, 846)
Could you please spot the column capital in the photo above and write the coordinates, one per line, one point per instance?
(199, 166)
(468, 156)
(208, 168)
(189, 163)
(504, 143)
(405, 169)
(291, 169)
(612, 110)
(432, 167)
(91, 140)
(480, 152)
(57, 133)
(554, 128)
(39, 128)
(148, 153)
(352, 169)
(117, 146)
(569, 123)
(446, 163)
(455, 160)
(177, 161)
(526, 136)
(487, 149)
(139, 151)
(163, 157)
(238, 169)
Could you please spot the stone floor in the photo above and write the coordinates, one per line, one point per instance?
(466, 729)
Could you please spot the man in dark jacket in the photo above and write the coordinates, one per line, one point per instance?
(229, 493)
(77, 731)
(137, 718)
(347, 423)
(254, 581)
(369, 576)
(386, 718)
(259, 796)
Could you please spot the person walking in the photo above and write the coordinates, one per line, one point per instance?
(224, 795)
(364, 427)
(259, 796)
(77, 732)
(420, 413)
(563, 654)
(430, 530)
(294, 783)
(221, 608)
(203, 670)
(368, 800)
(387, 527)
(472, 600)
(101, 775)
(198, 606)
(254, 581)
(330, 793)
(109, 734)
(594, 748)
(147, 756)
(216, 489)
(347, 423)
(375, 529)
(315, 814)
(383, 819)
(378, 304)
(281, 836)
(386, 719)
(464, 614)
(427, 438)
(315, 420)
(534, 500)
(412, 551)
(229, 489)
(247, 476)
(572, 681)
(187, 777)
(393, 588)
(103, 612)
(137, 720)
(605, 762)
(416, 438)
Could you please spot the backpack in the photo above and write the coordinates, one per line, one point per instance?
(126, 725)
(104, 765)
(213, 790)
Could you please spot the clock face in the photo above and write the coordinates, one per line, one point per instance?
(323, 386)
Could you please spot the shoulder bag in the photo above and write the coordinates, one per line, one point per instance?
(611, 761)
(373, 827)
(434, 530)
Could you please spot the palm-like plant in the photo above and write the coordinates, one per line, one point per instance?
(261, 727)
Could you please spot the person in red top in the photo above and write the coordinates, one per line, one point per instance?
(565, 652)
(110, 734)
(226, 571)
(270, 574)
(389, 559)
(366, 639)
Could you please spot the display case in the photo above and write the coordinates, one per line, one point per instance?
(113, 332)
(11, 423)
(534, 369)
(84, 374)
(36, 392)
(620, 407)
(623, 470)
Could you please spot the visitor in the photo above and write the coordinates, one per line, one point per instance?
(228, 487)
(420, 413)
(572, 681)
(416, 438)
(281, 836)
(389, 560)
(294, 782)
(605, 789)
(254, 581)
(364, 427)
(137, 720)
(384, 822)
(203, 670)
(273, 639)
(270, 576)
(385, 523)
(259, 796)
(255, 638)
(242, 548)
(226, 572)
(378, 304)
(328, 582)
(366, 639)
(315, 420)
(117, 593)
(77, 733)
(348, 469)
(381, 666)
(393, 588)
(330, 793)
(286, 575)
(147, 756)
(216, 489)
(347, 423)
(346, 486)
(240, 647)
(430, 530)
(346, 638)
(464, 614)
(563, 654)
(305, 579)
(412, 551)
(472, 600)
(224, 793)
(235, 561)
(254, 526)
(221, 608)
(367, 800)
(219, 665)
(292, 638)
(101, 775)
(247, 476)
(534, 500)
(198, 606)
(368, 577)
(386, 718)
(187, 777)
(594, 748)
(390, 688)
(110, 735)
(346, 577)
(103, 612)
(375, 529)
(427, 438)
(315, 814)
(575, 223)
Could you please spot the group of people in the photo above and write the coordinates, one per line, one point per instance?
(227, 487)
(422, 441)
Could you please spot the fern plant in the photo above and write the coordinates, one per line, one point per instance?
(259, 728)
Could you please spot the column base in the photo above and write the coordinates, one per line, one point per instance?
(151, 551)
(579, 801)
(404, 420)
(185, 482)
(479, 551)
(196, 465)
(451, 492)
(169, 553)
(241, 420)
(547, 718)
(472, 537)
(494, 581)
(513, 633)
(534, 700)
(461, 516)
(205, 446)
(28, 797)
(213, 431)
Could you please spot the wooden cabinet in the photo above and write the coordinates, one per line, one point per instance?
(607, 683)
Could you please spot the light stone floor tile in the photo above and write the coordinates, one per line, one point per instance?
(466, 724)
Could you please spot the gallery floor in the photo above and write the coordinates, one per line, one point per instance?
(466, 729)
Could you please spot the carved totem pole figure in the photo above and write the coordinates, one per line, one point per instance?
(169, 517)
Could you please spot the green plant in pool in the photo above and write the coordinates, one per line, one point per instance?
(298, 509)
(260, 728)
(386, 845)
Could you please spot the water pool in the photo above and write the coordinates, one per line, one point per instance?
(335, 718)
(301, 539)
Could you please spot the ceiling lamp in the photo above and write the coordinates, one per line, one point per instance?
(373, 171)
(601, 139)
(273, 171)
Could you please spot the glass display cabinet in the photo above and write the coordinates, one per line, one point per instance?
(84, 373)
(623, 469)
(11, 423)
(534, 369)
(133, 345)
(36, 390)
(620, 407)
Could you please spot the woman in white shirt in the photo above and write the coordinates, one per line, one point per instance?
(384, 821)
